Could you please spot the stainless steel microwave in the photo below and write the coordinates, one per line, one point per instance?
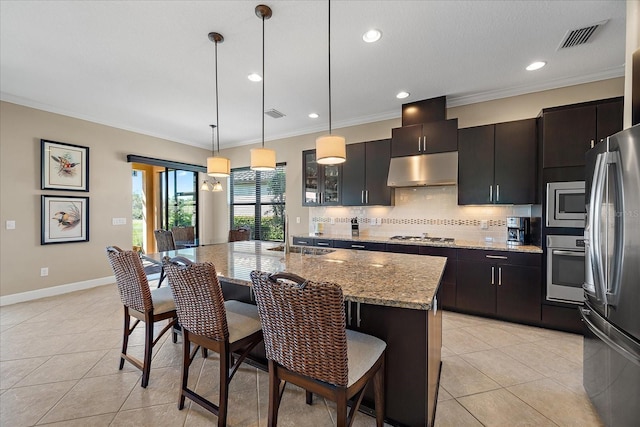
(566, 204)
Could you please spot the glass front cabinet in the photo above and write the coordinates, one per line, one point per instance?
(322, 183)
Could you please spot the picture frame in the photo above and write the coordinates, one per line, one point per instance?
(64, 166)
(65, 219)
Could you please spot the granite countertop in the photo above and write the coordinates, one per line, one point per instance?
(464, 244)
(380, 278)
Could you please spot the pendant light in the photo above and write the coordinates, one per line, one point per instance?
(263, 159)
(330, 149)
(217, 166)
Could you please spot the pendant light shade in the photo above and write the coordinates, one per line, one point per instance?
(217, 166)
(330, 149)
(263, 159)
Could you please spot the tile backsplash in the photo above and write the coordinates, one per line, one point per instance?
(432, 210)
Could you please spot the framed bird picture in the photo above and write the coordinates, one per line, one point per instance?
(64, 166)
(65, 219)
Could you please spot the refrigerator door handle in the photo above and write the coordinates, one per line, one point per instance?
(595, 256)
(613, 287)
(609, 338)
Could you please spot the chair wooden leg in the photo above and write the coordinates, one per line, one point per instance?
(148, 349)
(274, 395)
(341, 407)
(224, 388)
(378, 393)
(186, 361)
(174, 332)
(309, 397)
(125, 335)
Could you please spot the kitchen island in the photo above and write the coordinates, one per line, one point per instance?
(388, 295)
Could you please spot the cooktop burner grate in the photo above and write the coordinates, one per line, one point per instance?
(424, 239)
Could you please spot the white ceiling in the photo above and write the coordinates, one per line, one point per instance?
(148, 66)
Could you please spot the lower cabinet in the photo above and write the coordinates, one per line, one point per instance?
(412, 364)
(447, 291)
(500, 283)
(360, 246)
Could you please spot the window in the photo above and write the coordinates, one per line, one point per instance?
(257, 202)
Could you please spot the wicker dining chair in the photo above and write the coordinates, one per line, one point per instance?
(307, 344)
(142, 303)
(239, 234)
(183, 236)
(164, 242)
(210, 323)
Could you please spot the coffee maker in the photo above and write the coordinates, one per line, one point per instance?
(518, 230)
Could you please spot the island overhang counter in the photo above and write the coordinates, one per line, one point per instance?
(388, 295)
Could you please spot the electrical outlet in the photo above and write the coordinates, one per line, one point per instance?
(44, 271)
(332, 220)
(11, 225)
(118, 221)
(297, 220)
(484, 224)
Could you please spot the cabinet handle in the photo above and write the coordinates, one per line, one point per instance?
(497, 192)
(358, 246)
(493, 270)
(424, 144)
(499, 276)
(491, 193)
(303, 242)
(322, 244)
(362, 197)
(592, 143)
(496, 256)
(419, 144)
(366, 196)
(358, 314)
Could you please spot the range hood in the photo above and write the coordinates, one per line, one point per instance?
(424, 170)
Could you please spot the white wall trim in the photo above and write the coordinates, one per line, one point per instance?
(55, 290)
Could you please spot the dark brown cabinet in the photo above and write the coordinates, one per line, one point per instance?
(447, 291)
(359, 246)
(497, 163)
(321, 183)
(500, 284)
(425, 138)
(364, 174)
(570, 131)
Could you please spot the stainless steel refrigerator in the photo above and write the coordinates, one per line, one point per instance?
(611, 312)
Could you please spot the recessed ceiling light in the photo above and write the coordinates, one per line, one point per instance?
(372, 36)
(536, 65)
(254, 77)
(402, 95)
(313, 115)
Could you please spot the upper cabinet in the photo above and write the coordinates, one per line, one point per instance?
(497, 163)
(321, 183)
(570, 131)
(425, 138)
(364, 177)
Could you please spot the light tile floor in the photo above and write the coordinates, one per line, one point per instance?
(59, 367)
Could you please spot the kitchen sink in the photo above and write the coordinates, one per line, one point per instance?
(307, 250)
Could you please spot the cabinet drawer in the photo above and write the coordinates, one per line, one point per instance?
(326, 243)
(403, 249)
(363, 246)
(502, 257)
(304, 241)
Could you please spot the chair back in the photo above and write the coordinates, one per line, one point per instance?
(198, 297)
(164, 240)
(239, 234)
(303, 323)
(183, 234)
(130, 278)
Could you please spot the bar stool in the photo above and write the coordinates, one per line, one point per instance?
(210, 323)
(149, 306)
(307, 344)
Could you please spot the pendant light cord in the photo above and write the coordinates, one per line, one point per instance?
(329, 44)
(263, 81)
(217, 127)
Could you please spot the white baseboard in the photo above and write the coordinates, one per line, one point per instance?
(55, 290)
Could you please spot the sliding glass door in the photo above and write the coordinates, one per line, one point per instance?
(178, 199)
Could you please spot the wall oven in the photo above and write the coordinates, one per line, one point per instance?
(565, 269)
(565, 204)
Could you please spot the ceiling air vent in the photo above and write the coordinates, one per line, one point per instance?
(580, 35)
(274, 113)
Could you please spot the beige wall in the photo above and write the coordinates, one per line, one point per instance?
(22, 256)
